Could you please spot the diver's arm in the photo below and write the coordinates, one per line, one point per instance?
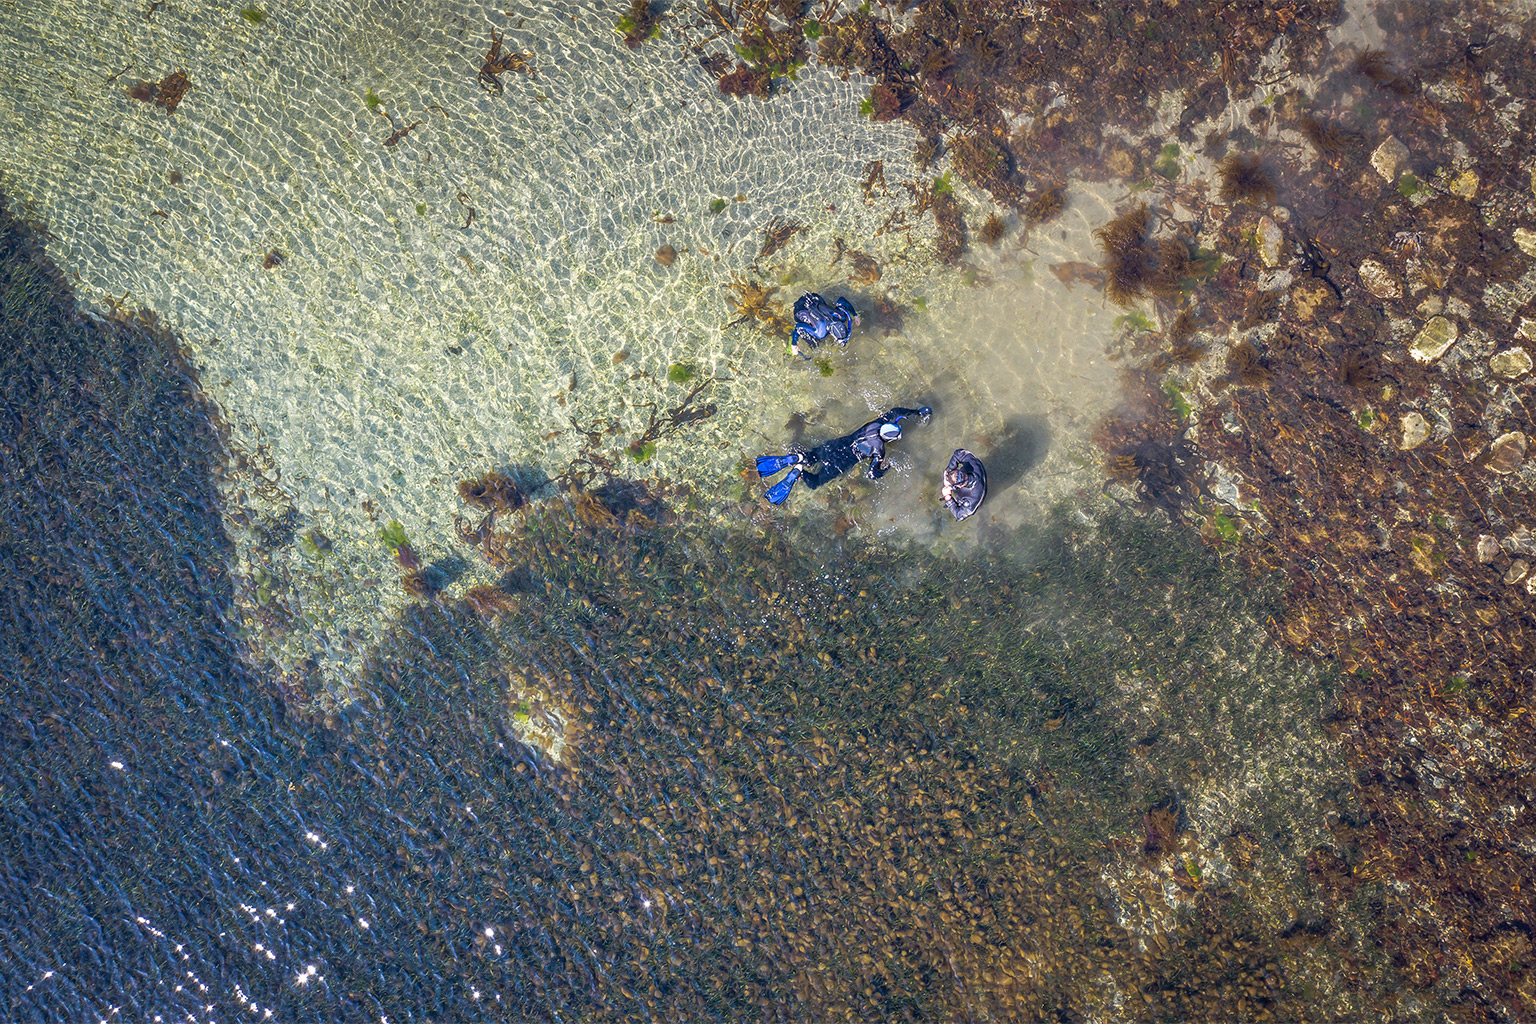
(876, 456)
(898, 414)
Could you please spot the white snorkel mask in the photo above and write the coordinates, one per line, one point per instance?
(890, 432)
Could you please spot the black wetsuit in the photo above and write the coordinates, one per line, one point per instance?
(966, 479)
(830, 460)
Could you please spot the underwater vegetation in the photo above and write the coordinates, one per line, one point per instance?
(755, 304)
(498, 62)
(494, 491)
(640, 23)
(1388, 483)
(829, 815)
(1045, 205)
(166, 93)
(992, 229)
(1243, 179)
(964, 73)
(777, 235)
(1136, 266)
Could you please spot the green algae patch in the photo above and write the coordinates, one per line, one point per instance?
(1176, 399)
(392, 535)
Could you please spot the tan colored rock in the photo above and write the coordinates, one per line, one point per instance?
(1389, 157)
(1119, 162)
(1271, 242)
(1511, 363)
(1311, 296)
(1465, 185)
(1422, 554)
(1379, 281)
(1415, 431)
(1525, 238)
(1507, 453)
(1530, 584)
(1433, 340)
(1487, 547)
(1527, 328)
(1516, 571)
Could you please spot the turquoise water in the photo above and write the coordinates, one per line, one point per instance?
(840, 759)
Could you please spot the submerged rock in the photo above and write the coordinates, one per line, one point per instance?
(1525, 238)
(1433, 340)
(1415, 431)
(1271, 242)
(1389, 158)
(1512, 362)
(1379, 281)
(1520, 542)
(1487, 547)
(1516, 572)
(1507, 453)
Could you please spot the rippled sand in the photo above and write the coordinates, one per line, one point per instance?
(484, 290)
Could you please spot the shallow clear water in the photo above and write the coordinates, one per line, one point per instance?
(218, 857)
(395, 350)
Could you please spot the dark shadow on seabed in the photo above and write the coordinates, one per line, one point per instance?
(785, 800)
(114, 641)
(1015, 450)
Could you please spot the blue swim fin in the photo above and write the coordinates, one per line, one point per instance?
(779, 491)
(767, 465)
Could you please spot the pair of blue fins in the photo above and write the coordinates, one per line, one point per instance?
(965, 479)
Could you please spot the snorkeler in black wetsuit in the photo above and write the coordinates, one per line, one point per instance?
(965, 484)
(815, 321)
(831, 459)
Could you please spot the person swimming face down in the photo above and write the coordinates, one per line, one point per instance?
(965, 485)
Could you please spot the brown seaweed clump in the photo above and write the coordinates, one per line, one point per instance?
(1327, 138)
(1247, 366)
(1243, 179)
(981, 161)
(1045, 206)
(494, 491)
(1128, 265)
(489, 601)
(992, 230)
(1183, 348)
(640, 23)
(777, 235)
(1377, 66)
(1162, 474)
(754, 304)
(746, 81)
(167, 92)
(950, 225)
(498, 63)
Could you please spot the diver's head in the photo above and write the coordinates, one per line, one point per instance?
(890, 432)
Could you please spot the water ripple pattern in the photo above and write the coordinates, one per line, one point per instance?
(463, 278)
